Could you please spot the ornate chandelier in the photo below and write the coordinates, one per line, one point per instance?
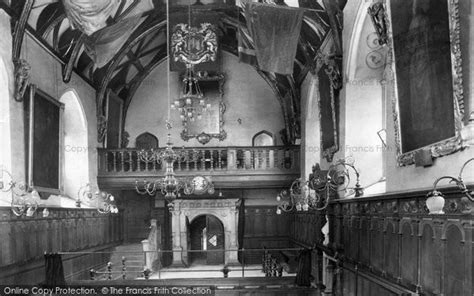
(191, 103)
(171, 186)
(315, 193)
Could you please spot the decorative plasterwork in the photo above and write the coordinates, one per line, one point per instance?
(22, 77)
(101, 128)
(378, 17)
(192, 45)
(453, 144)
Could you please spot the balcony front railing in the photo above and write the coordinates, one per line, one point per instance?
(270, 158)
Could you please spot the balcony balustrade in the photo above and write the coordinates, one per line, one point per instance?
(228, 166)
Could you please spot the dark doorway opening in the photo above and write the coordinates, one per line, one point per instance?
(206, 237)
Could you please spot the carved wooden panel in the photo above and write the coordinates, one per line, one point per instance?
(397, 244)
(455, 258)
(264, 228)
(26, 239)
(409, 254)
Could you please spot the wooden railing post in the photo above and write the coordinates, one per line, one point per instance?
(260, 158)
(231, 159)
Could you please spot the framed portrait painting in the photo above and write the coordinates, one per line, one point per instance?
(425, 47)
(45, 141)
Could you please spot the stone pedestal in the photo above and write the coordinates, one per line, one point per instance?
(223, 209)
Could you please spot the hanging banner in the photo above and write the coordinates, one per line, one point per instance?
(275, 31)
(194, 40)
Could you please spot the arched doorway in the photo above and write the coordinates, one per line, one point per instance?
(76, 143)
(206, 240)
(184, 210)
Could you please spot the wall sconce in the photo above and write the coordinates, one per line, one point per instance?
(435, 199)
(315, 193)
(105, 202)
(24, 199)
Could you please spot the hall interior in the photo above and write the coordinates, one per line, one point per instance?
(256, 147)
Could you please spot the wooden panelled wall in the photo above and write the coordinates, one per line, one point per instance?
(264, 228)
(394, 239)
(24, 240)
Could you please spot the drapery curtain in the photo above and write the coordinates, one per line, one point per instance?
(104, 44)
(90, 16)
(241, 228)
(54, 272)
(275, 31)
(303, 276)
(106, 32)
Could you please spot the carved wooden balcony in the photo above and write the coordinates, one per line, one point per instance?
(229, 167)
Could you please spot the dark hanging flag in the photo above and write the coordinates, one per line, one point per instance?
(275, 31)
(246, 45)
(246, 48)
(303, 276)
(194, 39)
(54, 272)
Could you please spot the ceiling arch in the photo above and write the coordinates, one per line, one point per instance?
(146, 47)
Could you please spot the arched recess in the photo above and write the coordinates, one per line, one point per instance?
(364, 101)
(311, 126)
(146, 141)
(206, 234)
(6, 157)
(430, 261)
(263, 158)
(455, 258)
(409, 255)
(76, 144)
(184, 210)
(263, 138)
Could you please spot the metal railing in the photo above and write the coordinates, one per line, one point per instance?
(273, 263)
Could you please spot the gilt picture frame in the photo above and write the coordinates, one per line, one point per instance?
(426, 67)
(211, 126)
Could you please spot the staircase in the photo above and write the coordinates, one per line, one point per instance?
(134, 262)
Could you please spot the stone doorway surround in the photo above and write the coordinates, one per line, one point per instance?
(226, 210)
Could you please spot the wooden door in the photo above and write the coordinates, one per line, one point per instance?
(215, 241)
(195, 240)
